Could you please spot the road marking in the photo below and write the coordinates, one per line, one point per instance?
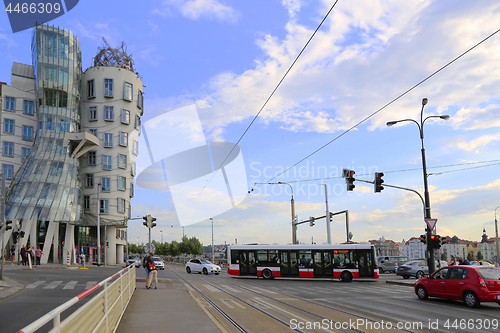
(53, 285)
(210, 288)
(34, 284)
(70, 285)
(227, 301)
(90, 284)
(230, 288)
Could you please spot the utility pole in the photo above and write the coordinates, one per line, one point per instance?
(98, 226)
(212, 239)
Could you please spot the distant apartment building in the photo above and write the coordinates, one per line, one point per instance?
(414, 249)
(18, 119)
(85, 127)
(386, 247)
(488, 247)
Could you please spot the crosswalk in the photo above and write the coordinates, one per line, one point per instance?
(58, 284)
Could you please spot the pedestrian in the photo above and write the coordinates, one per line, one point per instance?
(466, 262)
(24, 256)
(145, 265)
(453, 261)
(12, 254)
(153, 273)
(31, 252)
(38, 255)
(461, 261)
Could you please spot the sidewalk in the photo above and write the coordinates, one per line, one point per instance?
(173, 307)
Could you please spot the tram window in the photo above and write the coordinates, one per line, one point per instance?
(273, 256)
(305, 259)
(262, 256)
(235, 257)
(342, 257)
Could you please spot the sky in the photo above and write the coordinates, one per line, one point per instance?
(360, 70)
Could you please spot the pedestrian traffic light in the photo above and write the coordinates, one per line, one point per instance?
(21, 234)
(350, 180)
(377, 184)
(7, 226)
(423, 238)
(15, 237)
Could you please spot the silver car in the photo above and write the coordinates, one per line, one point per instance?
(417, 268)
(134, 260)
(159, 263)
(202, 266)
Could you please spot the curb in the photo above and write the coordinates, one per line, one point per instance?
(11, 288)
(410, 283)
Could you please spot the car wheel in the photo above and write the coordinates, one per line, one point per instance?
(205, 271)
(188, 270)
(267, 274)
(422, 293)
(406, 277)
(471, 300)
(419, 275)
(216, 273)
(381, 271)
(346, 276)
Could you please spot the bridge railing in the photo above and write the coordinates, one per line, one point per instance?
(102, 313)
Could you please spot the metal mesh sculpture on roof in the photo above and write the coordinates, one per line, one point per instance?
(116, 57)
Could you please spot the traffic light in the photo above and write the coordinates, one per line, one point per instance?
(435, 242)
(350, 180)
(423, 238)
(377, 184)
(311, 221)
(7, 226)
(149, 221)
(21, 234)
(15, 237)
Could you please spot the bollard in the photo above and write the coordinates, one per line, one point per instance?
(395, 267)
(69, 259)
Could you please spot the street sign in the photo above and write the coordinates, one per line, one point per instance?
(431, 223)
(147, 249)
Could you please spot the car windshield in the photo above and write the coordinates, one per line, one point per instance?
(203, 261)
(489, 273)
(156, 259)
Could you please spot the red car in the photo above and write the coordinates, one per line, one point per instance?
(472, 284)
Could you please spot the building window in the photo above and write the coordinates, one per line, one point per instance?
(108, 113)
(124, 139)
(122, 183)
(132, 168)
(8, 170)
(50, 125)
(140, 100)
(89, 180)
(122, 161)
(135, 147)
(25, 153)
(131, 189)
(93, 131)
(92, 113)
(121, 205)
(108, 87)
(106, 162)
(8, 149)
(104, 206)
(91, 158)
(8, 126)
(86, 202)
(105, 184)
(125, 116)
(56, 169)
(128, 91)
(108, 139)
(10, 104)
(28, 133)
(28, 107)
(90, 89)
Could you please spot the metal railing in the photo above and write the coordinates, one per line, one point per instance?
(100, 314)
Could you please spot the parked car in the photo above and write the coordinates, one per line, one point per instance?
(134, 260)
(416, 268)
(471, 283)
(388, 264)
(482, 263)
(159, 263)
(202, 266)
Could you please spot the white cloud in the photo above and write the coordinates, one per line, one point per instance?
(475, 145)
(198, 9)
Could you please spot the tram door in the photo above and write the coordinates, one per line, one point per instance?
(289, 266)
(247, 263)
(327, 264)
(318, 264)
(365, 263)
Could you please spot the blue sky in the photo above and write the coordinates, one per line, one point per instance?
(226, 58)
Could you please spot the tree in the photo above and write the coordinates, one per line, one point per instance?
(479, 255)
(469, 257)
(173, 249)
(196, 246)
(443, 256)
(132, 248)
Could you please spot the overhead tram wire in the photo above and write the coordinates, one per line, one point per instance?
(383, 107)
(270, 96)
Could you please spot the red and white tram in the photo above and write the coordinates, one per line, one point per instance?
(339, 261)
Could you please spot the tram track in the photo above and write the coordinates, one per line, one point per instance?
(298, 314)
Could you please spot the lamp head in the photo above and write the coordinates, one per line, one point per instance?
(444, 117)
(391, 123)
(424, 101)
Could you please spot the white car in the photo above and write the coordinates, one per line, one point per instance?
(159, 263)
(202, 266)
(481, 263)
(134, 260)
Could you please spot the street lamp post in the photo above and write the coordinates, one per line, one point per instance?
(327, 217)
(497, 263)
(212, 238)
(98, 226)
(161, 236)
(427, 213)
